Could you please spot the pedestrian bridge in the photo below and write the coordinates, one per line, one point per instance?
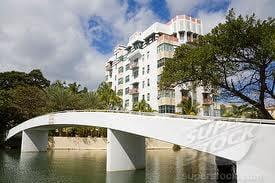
(250, 143)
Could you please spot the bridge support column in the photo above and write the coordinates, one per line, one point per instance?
(125, 151)
(34, 141)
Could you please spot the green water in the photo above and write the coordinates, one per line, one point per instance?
(162, 166)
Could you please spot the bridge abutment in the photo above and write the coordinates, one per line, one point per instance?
(34, 141)
(125, 151)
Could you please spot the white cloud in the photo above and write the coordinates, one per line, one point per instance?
(262, 8)
(49, 35)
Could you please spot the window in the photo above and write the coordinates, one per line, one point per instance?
(126, 90)
(148, 96)
(127, 67)
(148, 69)
(142, 58)
(135, 73)
(127, 79)
(143, 97)
(161, 62)
(120, 92)
(148, 54)
(143, 84)
(148, 82)
(159, 77)
(167, 109)
(143, 70)
(127, 103)
(120, 69)
(165, 47)
(120, 81)
(166, 93)
(115, 77)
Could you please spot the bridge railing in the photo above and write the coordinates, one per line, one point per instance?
(210, 118)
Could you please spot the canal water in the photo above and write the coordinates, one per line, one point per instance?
(73, 166)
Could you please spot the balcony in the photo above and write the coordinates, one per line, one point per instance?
(207, 101)
(168, 39)
(133, 65)
(135, 54)
(133, 91)
(108, 67)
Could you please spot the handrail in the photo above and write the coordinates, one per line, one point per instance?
(211, 118)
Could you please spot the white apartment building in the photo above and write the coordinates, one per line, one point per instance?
(135, 69)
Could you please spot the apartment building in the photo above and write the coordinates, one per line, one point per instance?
(135, 69)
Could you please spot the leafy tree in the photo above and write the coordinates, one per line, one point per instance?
(188, 107)
(108, 97)
(90, 100)
(240, 111)
(13, 79)
(236, 57)
(142, 106)
(61, 98)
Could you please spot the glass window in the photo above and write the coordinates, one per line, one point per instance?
(126, 90)
(127, 67)
(135, 73)
(167, 109)
(161, 62)
(120, 92)
(148, 69)
(143, 97)
(127, 103)
(148, 82)
(143, 84)
(148, 54)
(120, 81)
(127, 79)
(159, 77)
(120, 69)
(148, 96)
(143, 70)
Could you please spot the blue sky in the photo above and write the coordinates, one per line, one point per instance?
(71, 40)
(160, 9)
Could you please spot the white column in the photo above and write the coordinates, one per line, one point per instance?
(125, 151)
(34, 141)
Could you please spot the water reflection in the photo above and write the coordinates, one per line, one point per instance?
(90, 166)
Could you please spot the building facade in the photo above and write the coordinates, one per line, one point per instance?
(135, 69)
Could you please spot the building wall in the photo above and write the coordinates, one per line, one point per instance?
(179, 30)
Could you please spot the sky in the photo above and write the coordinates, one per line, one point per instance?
(71, 40)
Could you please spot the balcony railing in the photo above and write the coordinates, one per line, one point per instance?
(133, 91)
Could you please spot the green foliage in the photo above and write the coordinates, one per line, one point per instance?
(142, 106)
(108, 97)
(236, 57)
(12, 79)
(61, 98)
(242, 111)
(188, 107)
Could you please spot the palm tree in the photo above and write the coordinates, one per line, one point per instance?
(61, 98)
(188, 107)
(108, 97)
(142, 106)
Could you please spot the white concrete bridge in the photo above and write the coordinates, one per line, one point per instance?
(250, 143)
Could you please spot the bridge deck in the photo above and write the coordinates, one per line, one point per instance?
(211, 118)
